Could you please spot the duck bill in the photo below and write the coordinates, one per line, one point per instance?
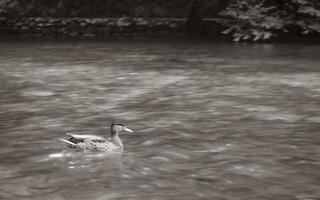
(127, 129)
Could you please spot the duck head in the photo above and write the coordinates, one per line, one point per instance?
(119, 127)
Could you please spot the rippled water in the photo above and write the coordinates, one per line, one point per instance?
(211, 120)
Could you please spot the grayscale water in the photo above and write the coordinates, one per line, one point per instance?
(212, 120)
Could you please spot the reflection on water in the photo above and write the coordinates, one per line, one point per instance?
(211, 121)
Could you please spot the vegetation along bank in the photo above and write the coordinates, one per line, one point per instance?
(242, 20)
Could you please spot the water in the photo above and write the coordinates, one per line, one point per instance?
(211, 120)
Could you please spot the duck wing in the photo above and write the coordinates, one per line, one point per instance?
(81, 138)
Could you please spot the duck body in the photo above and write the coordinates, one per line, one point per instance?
(94, 143)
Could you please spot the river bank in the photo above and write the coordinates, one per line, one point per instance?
(105, 28)
(92, 27)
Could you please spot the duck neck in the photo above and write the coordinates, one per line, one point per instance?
(116, 139)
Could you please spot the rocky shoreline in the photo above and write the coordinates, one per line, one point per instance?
(91, 27)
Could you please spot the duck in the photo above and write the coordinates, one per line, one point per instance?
(95, 143)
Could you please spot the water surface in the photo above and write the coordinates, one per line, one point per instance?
(211, 120)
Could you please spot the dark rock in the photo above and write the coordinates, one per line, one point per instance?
(112, 23)
(38, 19)
(124, 21)
(141, 22)
(173, 25)
(24, 28)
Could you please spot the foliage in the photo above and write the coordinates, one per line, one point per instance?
(307, 15)
(257, 20)
(8, 7)
(244, 19)
(104, 8)
(251, 20)
(114, 8)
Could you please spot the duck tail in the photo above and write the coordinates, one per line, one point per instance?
(68, 142)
